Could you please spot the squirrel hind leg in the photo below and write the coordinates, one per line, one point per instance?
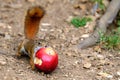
(19, 53)
(32, 60)
(32, 63)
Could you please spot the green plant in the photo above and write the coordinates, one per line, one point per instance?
(100, 3)
(110, 41)
(80, 22)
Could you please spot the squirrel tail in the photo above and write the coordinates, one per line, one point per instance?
(32, 20)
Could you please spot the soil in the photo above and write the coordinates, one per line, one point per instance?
(55, 31)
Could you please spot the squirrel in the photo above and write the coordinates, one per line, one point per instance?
(31, 27)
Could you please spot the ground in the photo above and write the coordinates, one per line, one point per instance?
(55, 31)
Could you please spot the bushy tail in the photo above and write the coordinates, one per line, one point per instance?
(32, 20)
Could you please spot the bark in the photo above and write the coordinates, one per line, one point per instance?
(105, 20)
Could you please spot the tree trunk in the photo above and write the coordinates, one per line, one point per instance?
(105, 20)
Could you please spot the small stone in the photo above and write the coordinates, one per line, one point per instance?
(62, 36)
(82, 6)
(43, 29)
(76, 6)
(45, 24)
(5, 77)
(98, 77)
(42, 73)
(20, 34)
(104, 74)
(74, 39)
(76, 13)
(90, 26)
(61, 67)
(97, 49)
(69, 19)
(68, 53)
(52, 30)
(9, 27)
(109, 76)
(118, 73)
(87, 65)
(3, 25)
(66, 75)
(85, 35)
(100, 56)
(77, 62)
(2, 61)
(102, 62)
(7, 36)
(59, 30)
(15, 78)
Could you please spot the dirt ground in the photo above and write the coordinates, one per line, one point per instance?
(57, 32)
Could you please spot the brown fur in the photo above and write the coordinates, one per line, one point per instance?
(32, 20)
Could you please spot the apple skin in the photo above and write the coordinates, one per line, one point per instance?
(46, 59)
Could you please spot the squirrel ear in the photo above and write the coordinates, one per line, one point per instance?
(32, 21)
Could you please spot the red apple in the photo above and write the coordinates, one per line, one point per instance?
(46, 59)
